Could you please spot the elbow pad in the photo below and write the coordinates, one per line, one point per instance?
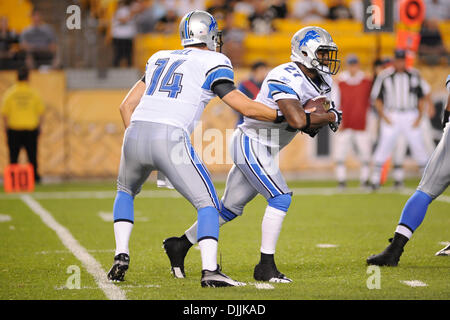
(222, 88)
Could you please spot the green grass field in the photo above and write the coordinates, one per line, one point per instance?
(36, 264)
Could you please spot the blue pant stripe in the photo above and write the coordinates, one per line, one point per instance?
(226, 214)
(257, 170)
(203, 174)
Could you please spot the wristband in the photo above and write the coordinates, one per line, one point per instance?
(280, 117)
(308, 121)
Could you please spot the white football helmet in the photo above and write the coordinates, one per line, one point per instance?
(307, 42)
(200, 27)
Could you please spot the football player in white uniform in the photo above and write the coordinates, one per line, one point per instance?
(159, 113)
(435, 179)
(255, 144)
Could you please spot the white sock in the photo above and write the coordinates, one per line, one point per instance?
(341, 172)
(404, 231)
(271, 227)
(122, 232)
(191, 233)
(208, 250)
(365, 172)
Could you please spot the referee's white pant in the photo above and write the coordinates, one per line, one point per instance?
(345, 139)
(401, 124)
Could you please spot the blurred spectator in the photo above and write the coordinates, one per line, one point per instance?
(437, 9)
(431, 47)
(357, 10)
(310, 10)
(245, 7)
(279, 8)
(185, 6)
(8, 50)
(22, 109)
(339, 10)
(148, 14)
(351, 93)
(261, 20)
(168, 24)
(252, 85)
(39, 43)
(220, 8)
(123, 32)
(233, 38)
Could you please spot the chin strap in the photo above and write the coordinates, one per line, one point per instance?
(219, 40)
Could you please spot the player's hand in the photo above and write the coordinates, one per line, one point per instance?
(387, 120)
(334, 126)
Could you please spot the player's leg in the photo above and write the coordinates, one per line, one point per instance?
(416, 143)
(398, 159)
(341, 144)
(258, 164)
(134, 169)
(178, 161)
(238, 192)
(386, 143)
(364, 151)
(435, 180)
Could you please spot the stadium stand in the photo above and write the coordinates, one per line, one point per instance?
(83, 132)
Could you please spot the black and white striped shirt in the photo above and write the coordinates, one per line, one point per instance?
(399, 91)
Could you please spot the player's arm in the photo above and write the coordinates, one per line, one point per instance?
(241, 103)
(131, 101)
(297, 118)
(380, 109)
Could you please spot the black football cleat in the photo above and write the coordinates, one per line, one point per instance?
(217, 279)
(119, 268)
(176, 249)
(389, 257)
(269, 272)
(444, 252)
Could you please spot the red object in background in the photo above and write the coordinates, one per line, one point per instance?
(19, 178)
(412, 12)
(385, 171)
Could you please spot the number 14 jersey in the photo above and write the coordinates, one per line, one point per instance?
(179, 85)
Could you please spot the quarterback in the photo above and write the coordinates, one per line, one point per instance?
(255, 144)
(159, 113)
(435, 180)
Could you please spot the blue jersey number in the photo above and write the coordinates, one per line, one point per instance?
(171, 81)
(292, 71)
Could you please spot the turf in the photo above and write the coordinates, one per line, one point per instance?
(34, 262)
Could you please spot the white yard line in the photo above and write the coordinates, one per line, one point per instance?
(174, 194)
(111, 291)
(414, 283)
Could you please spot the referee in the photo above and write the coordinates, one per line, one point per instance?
(22, 109)
(399, 96)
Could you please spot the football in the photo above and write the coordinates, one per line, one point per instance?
(319, 104)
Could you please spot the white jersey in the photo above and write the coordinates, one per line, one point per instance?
(287, 81)
(178, 86)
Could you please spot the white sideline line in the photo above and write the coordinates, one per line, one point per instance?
(174, 194)
(111, 291)
(414, 283)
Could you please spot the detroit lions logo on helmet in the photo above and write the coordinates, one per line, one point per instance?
(213, 24)
(310, 35)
